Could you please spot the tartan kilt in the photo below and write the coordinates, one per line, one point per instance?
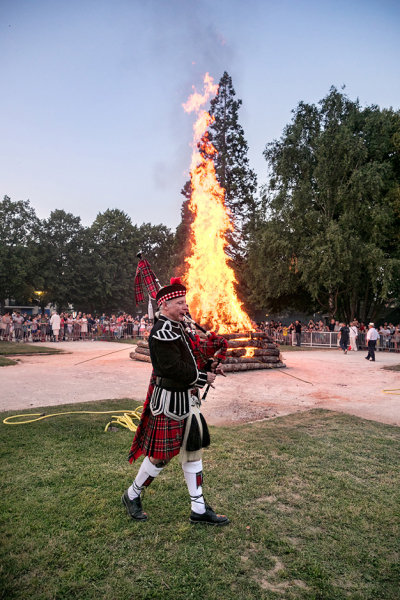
(162, 437)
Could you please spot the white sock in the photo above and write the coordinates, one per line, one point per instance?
(193, 472)
(145, 476)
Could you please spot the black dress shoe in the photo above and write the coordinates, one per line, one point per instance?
(134, 507)
(209, 517)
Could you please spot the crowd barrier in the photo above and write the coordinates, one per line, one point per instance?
(67, 333)
(330, 339)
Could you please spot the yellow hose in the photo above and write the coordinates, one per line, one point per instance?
(125, 420)
(391, 392)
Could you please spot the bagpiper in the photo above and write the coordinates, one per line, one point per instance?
(171, 421)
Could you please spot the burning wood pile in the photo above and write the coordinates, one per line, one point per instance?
(246, 352)
(210, 279)
(251, 351)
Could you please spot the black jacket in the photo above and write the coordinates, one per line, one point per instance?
(172, 357)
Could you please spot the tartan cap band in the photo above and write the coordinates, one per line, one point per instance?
(169, 292)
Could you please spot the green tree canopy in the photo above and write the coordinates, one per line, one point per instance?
(18, 227)
(330, 222)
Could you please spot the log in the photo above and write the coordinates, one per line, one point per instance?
(143, 344)
(141, 357)
(261, 336)
(245, 344)
(140, 350)
(266, 351)
(250, 359)
(251, 367)
(258, 352)
(235, 336)
(236, 352)
(251, 344)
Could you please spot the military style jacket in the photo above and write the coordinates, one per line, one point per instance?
(175, 368)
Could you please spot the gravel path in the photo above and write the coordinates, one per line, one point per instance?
(346, 383)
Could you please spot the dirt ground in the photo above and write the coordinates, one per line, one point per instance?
(345, 383)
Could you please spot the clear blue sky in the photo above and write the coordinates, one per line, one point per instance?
(91, 97)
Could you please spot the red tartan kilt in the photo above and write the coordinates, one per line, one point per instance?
(163, 437)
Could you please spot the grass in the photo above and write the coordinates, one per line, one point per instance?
(391, 367)
(6, 362)
(15, 349)
(313, 499)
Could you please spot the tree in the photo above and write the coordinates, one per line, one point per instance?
(114, 242)
(61, 259)
(18, 223)
(232, 164)
(233, 174)
(330, 222)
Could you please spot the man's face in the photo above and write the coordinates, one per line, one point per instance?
(175, 309)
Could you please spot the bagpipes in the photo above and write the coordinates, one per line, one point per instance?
(203, 349)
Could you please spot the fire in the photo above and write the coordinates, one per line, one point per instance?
(210, 280)
(249, 352)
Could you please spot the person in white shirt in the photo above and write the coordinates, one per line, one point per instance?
(55, 325)
(372, 336)
(353, 336)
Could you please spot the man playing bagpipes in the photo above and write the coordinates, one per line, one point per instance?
(171, 421)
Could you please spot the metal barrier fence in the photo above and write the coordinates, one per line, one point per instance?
(330, 339)
(74, 332)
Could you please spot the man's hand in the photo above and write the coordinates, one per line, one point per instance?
(211, 378)
(218, 369)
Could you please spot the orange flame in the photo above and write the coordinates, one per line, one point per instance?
(249, 352)
(210, 280)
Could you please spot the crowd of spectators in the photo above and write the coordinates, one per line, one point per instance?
(389, 334)
(67, 326)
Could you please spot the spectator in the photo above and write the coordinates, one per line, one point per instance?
(344, 337)
(297, 329)
(55, 323)
(396, 339)
(84, 326)
(372, 336)
(18, 321)
(353, 336)
(331, 325)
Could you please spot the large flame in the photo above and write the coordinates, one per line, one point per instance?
(210, 280)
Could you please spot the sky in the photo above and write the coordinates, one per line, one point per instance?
(91, 112)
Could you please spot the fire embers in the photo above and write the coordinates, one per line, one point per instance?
(251, 351)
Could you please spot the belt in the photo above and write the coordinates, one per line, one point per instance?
(173, 384)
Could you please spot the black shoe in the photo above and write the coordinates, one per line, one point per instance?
(134, 507)
(208, 518)
(367, 358)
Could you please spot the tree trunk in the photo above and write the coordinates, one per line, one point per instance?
(331, 304)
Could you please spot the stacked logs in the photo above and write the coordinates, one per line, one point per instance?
(248, 351)
(141, 352)
(251, 351)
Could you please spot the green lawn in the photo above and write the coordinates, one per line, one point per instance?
(6, 362)
(313, 499)
(14, 348)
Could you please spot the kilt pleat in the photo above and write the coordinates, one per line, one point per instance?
(162, 437)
